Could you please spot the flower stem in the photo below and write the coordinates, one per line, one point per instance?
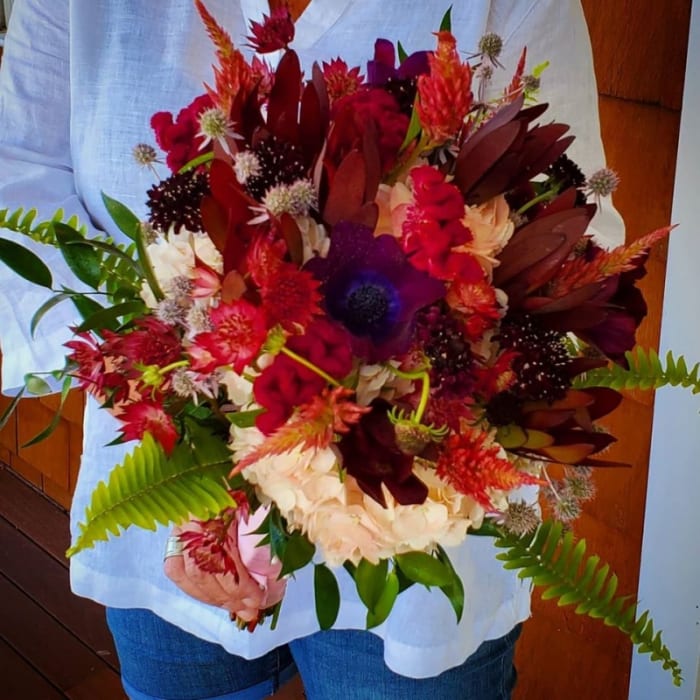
(536, 200)
(196, 162)
(174, 365)
(310, 365)
(422, 376)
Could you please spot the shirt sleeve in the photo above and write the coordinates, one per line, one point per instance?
(35, 172)
(556, 31)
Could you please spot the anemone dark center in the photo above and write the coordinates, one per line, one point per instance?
(367, 306)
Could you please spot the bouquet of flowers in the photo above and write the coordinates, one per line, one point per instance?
(363, 314)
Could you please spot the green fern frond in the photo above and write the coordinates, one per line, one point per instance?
(22, 221)
(151, 488)
(557, 562)
(645, 372)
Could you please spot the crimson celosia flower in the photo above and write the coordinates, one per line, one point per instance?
(445, 96)
(148, 416)
(475, 465)
(286, 384)
(353, 113)
(341, 80)
(371, 455)
(238, 333)
(275, 32)
(178, 137)
(433, 230)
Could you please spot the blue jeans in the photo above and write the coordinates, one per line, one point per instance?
(162, 662)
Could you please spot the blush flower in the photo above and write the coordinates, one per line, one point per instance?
(371, 288)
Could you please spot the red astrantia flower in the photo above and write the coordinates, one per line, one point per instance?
(341, 80)
(238, 334)
(433, 228)
(178, 137)
(148, 417)
(273, 33)
(445, 96)
(88, 356)
(471, 462)
(153, 342)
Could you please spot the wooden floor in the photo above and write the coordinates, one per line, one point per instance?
(52, 644)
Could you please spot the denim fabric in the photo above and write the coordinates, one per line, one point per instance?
(349, 665)
(162, 662)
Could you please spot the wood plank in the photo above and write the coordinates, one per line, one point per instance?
(47, 583)
(20, 681)
(640, 48)
(56, 653)
(34, 515)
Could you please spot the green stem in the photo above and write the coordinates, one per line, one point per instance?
(536, 200)
(422, 376)
(196, 162)
(309, 365)
(174, 365)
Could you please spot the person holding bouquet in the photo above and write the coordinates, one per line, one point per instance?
(78, 84)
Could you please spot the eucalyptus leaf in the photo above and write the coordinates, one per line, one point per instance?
(24, 263)
(326, 596)
(423, 568)
(126, 221)
(80, 256)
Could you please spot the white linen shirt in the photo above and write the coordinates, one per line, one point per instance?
(78, 84)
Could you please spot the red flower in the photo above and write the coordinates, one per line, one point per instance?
(286, 383)
(354, 113)
(154, 342)
(239, 332)
(445, 96)
(476, 301)
(341, 80)
(290, 298)
(178, 137)
(273, 33)
(87, 355)
(472, 463)
(148, 417)
(433, 228)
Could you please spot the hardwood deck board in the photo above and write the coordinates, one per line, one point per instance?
(54, 651)
(20, 681)
(46, 582)
(32, 513)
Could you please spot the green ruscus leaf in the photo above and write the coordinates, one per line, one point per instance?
(424, 568)
(151, 488)
(555, 561)
(326, 595)
(24, 263)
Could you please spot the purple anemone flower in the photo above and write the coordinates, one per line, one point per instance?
(382, 67)
(373, 290)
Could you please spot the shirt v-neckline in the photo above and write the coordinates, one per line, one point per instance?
(318, 17)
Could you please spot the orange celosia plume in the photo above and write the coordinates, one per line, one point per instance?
(445, 95)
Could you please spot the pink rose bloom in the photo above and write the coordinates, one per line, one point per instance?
(222, 565)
